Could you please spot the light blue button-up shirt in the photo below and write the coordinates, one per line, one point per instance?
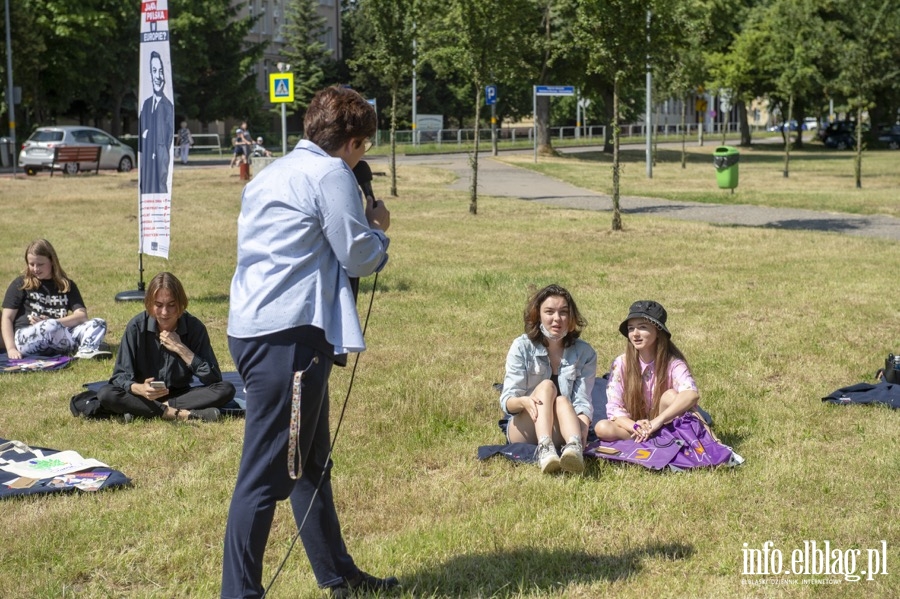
(302, 233)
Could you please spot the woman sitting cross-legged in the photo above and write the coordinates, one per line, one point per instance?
(43, 313)
(550, 374)
(650, 384)
(162, 350)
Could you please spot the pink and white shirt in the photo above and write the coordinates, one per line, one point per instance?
(679, 376)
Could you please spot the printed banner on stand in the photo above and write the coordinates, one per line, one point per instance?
(156, 134)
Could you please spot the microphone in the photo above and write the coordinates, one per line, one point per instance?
(363, 174)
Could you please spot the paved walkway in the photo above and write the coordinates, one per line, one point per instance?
(498, 179)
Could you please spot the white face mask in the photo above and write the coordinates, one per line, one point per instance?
(548, 335)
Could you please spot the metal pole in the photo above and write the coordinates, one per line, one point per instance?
(10, 95)
(649, 107)
(494, 128)
(577, 114)
(415, 132)
(283, 68)
(283, 129)
(534, 108)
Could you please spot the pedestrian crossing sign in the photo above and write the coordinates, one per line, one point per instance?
(281, 87)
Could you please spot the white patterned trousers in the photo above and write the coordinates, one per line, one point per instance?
(49, 337)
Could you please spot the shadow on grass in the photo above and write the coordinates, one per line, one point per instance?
(511, 573)
(732, 440)
(827, 225)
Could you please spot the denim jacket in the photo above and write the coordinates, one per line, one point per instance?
(528, 364)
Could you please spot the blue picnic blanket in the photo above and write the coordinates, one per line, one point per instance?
(41, 458)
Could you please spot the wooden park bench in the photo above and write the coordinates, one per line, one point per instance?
(67, 155)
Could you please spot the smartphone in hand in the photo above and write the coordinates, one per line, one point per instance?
(158, 384)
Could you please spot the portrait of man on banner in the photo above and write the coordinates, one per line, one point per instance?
(157, 127)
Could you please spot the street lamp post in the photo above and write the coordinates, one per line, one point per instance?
(10, 92)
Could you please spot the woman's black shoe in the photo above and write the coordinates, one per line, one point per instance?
(364, 583)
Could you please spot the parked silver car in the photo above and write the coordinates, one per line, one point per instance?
(37, 151)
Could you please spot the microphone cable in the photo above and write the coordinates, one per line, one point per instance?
(330, 450)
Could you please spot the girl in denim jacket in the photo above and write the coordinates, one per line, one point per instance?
(550, 374)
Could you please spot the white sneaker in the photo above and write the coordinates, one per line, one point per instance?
(547, 456)
(572, 459)
(93, 354)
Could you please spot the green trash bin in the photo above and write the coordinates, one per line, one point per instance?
(726, 160)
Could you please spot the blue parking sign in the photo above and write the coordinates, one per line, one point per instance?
(490, 94)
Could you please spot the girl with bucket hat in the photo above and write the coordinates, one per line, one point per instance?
(650, 384)
(550, 374)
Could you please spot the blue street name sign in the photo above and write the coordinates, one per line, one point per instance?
(554, 90)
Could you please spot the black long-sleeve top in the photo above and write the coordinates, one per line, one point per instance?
(142, 356)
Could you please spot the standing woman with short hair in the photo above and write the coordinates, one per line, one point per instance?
(303, 232)
(44, 314)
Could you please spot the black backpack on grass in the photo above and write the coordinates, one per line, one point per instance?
(86, 404)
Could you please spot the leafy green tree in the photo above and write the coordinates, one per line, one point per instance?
(28, 46)
(615, 35)
(871, 32)
(212, 64)
(389, 56)
(304, 30)
(554, 59)
(480, 39)
(83, 60)
(789, 69)
(730, 63)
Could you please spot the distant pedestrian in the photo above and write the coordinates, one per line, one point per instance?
(185, 141)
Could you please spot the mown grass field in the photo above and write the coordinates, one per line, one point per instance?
(770, 320)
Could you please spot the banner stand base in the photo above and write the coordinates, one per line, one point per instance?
(135, 295)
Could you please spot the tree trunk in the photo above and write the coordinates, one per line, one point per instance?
(786, 131)
(857, 167)
(473, 159)
(617, 216)
(393, 159)
(542, 117)
(609, 113)
(746, 138)
(684, 132)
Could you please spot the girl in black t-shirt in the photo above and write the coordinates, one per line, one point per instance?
(43, 313)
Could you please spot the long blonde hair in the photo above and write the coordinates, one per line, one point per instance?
(666, 351)
(43, 248)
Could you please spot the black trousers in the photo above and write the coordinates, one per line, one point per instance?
(117, 400)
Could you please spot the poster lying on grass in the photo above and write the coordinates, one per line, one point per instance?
(156, 131)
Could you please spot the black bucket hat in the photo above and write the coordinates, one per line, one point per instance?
(652, 311)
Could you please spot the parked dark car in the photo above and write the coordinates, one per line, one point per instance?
(840, 134)
(891, 136)
(835, 127)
